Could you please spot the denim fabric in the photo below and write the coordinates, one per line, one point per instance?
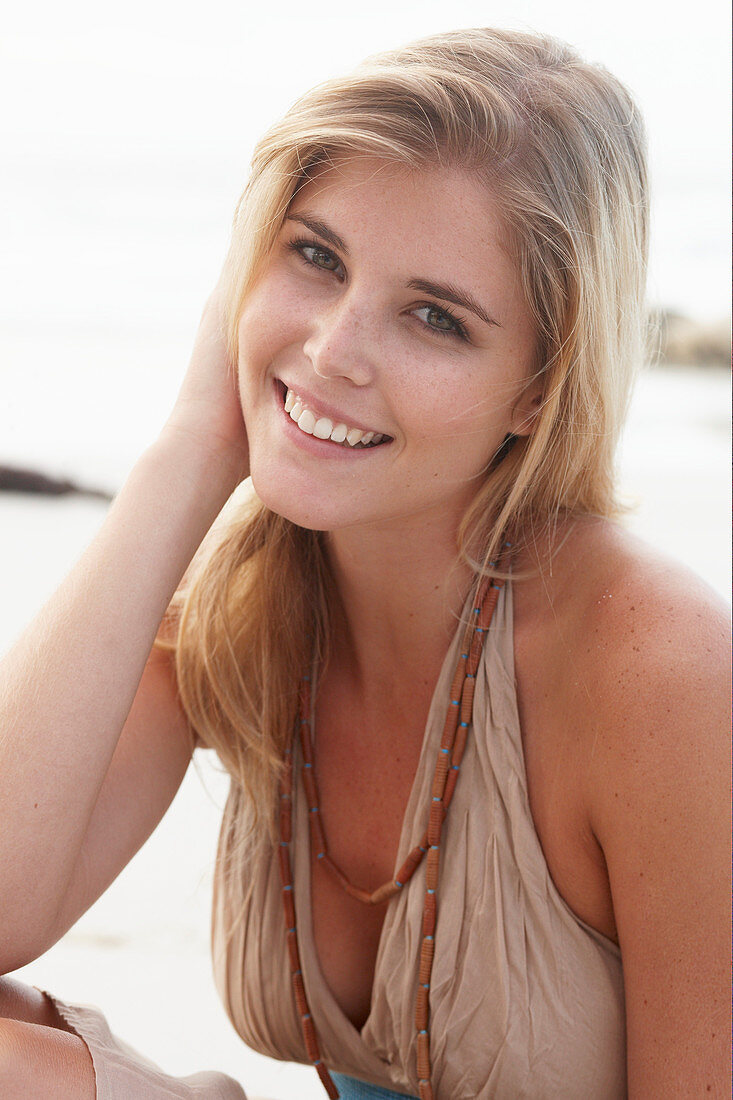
(352, 1089)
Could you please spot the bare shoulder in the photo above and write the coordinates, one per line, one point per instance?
(639, 658)
(645, 593)
(646, 649)
(636, 676)
(623, 614)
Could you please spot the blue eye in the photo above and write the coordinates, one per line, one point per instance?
(443, 322)
(315, 255)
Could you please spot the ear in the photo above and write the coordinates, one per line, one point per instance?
(527, 408)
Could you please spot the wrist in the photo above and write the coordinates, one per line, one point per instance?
(216, 466)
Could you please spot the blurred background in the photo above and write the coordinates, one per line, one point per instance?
(124, 145)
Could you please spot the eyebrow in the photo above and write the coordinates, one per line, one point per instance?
(448, 292)
(320, 229)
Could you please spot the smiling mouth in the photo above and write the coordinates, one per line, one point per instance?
(322, 427)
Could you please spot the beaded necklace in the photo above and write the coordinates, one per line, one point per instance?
(447, 766)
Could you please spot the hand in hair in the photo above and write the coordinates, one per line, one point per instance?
(207, 410)
(93, 742)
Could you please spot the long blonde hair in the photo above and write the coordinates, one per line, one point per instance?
(561, 145)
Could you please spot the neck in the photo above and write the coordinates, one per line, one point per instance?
(401, 594)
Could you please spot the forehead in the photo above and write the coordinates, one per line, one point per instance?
(431, 208)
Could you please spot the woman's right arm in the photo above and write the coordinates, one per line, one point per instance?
(77, 799)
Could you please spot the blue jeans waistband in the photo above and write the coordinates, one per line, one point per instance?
(350, 1088)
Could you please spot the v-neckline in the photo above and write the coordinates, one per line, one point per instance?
(333, 1016)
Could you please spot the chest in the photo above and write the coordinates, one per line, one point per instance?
(366, 765)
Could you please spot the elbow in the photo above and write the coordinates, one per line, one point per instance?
(19, 947)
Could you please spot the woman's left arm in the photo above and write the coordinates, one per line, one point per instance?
(659, 802)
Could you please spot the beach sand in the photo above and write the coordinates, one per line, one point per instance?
(141, 952)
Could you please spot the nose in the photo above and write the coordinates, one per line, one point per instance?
(341, 342)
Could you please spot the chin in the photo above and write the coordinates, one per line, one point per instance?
(292, 505)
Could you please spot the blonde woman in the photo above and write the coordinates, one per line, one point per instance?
(475, 731)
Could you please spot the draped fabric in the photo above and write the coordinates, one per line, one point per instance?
(122, 1073)
(526, 1000)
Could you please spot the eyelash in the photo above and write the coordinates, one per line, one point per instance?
(301, 243)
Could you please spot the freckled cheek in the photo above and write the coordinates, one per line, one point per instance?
(455, 412)
(260, 339)
(253, 360)
(270, 324)
(467, 438)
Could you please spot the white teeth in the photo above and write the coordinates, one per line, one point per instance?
(306, 422)
(323, 428)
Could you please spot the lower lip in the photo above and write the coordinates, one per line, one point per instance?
(324, 448)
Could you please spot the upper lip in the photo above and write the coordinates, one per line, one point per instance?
(323, 408)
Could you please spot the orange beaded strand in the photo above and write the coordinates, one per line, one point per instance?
(291, 935)
(450, 754)
(452, 746)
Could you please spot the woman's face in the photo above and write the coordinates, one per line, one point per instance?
(388, 306)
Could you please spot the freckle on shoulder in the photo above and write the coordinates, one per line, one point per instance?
(604, 583)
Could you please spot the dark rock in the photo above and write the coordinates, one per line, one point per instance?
(16, 480)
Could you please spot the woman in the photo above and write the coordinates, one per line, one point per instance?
(488, 861)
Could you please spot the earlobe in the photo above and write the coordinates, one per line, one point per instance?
(526, 412)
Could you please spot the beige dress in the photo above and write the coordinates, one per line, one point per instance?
(526, 1000)
(122, 1073)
